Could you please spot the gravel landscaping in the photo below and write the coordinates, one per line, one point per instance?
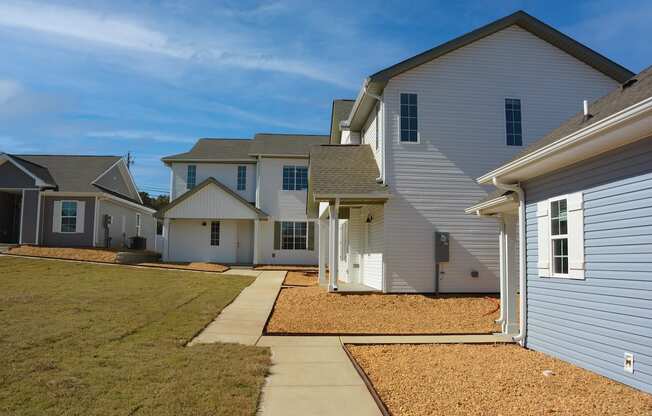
(307, 278)
(195, 266)
(312, 310)
(85, 254)
(420, 380)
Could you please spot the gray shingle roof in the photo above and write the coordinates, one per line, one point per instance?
(341, 111)
(285, 144)
(215, 149)
(344, 169)
(244, 149)
(635, 90)
(70, 173)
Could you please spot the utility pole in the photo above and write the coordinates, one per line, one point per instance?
(130, 160)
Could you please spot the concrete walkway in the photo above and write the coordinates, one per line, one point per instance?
(243, 321)
(313, 376)
(310, 375)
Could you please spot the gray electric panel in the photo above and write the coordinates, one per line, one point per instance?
(442, 247)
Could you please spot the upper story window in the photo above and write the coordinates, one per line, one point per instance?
(513, 127)
(191, 176)
(242, 178)
(68, 216)
(409, 122)
(295, 178)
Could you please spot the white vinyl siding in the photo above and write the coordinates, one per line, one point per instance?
(373, 133)
(462, 136)
(190, 240)
(226, 173)
(373, 246)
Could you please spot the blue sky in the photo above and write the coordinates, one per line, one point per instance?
(108, 77)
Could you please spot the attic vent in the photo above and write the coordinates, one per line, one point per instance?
(629, 83)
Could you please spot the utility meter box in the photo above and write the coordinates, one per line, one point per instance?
(442, 247)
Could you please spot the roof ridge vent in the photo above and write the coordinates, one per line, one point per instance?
(629, 83)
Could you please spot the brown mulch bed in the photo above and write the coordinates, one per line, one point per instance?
(312, 310)
(420, 380)
(196, 266)
(87, 254)
(307, 278)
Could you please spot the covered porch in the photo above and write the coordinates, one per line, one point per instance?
(10, 215)
(503, 206)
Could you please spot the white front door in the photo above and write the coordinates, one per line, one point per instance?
(245, 242)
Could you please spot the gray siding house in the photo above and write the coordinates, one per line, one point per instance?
(583, 198)
(70, 201)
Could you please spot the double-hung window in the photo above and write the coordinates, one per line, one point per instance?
(191, 176)
(294, 235)
(513, 126)
(295, 178)
(242, 178)
(68, 216)
(559, 236)
(409, 124)
(215, 233)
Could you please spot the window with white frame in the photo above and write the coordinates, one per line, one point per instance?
(560, 238)
(294, 235)
(295, 178)
(513, 126)
(191, 176)
(68, 216)
(215, 233)
(409, 123)
(242, 178)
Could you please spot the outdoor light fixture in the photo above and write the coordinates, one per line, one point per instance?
(369, 218)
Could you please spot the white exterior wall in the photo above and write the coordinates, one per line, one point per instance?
(373, 133)
(226, 173)
(211, 202)
(124, 219)
(280, 204)
(461, 124)
(190, 240)
(270, 256)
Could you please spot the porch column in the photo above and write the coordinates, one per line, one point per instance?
(510, 324)
(333, 255)
(323, 251)
(166, 239)
(256, 237)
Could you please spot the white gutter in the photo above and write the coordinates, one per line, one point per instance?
(522, 272)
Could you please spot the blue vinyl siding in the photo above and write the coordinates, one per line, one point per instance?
(593, 322)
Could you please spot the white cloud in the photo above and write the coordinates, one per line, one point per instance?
(131, 35)
(9, 89)
(139, 135)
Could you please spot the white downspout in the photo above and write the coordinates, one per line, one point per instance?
(522, 272)
(381, 178)
(503, 293)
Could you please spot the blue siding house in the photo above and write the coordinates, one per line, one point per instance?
(583, 199)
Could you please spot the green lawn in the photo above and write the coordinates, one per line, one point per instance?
(81, 339)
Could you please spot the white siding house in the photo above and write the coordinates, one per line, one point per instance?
(459, 96)
(241, 202)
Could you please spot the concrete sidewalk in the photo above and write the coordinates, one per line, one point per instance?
(243, 321)
(313, 376)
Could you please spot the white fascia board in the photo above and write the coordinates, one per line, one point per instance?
(492, 203)
(128, 203)
(607, 134)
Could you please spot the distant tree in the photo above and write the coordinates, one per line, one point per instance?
(156, 203)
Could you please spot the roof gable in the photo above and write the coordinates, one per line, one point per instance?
(211, 199)
(525, 21)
